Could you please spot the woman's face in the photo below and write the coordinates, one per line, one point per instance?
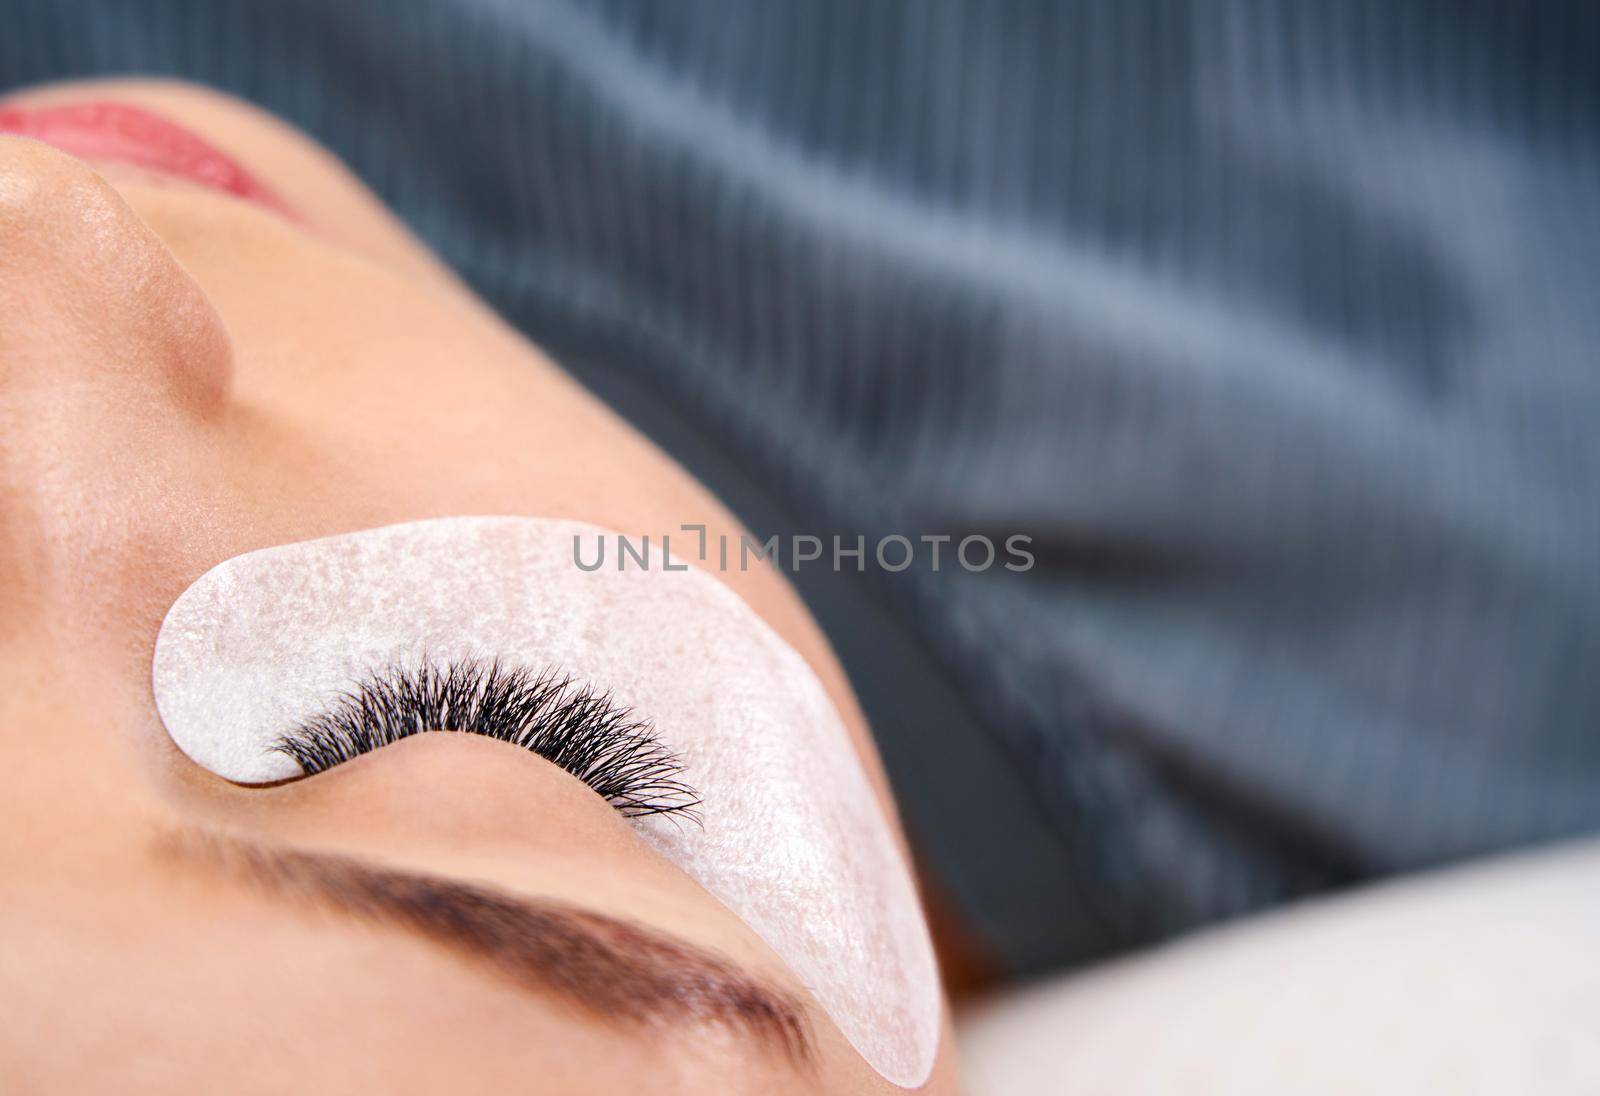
(189, 372)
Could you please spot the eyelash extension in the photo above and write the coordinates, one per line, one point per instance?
(563, 721)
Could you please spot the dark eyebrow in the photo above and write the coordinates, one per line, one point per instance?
(615, 969)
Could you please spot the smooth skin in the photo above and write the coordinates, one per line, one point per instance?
(185, 376)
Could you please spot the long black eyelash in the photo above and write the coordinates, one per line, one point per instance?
(564, 722)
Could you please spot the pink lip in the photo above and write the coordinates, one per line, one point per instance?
(119, 132)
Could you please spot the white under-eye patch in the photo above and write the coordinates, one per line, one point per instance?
(792, 838)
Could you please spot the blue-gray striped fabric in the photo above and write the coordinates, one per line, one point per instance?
(1274, 323)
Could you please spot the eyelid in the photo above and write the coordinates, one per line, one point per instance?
(548, 713)
(797, 840)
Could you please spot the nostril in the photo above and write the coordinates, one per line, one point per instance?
(89, 291)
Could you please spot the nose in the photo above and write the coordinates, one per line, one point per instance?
(91, 300)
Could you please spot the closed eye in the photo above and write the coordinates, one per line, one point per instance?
(548, 713)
